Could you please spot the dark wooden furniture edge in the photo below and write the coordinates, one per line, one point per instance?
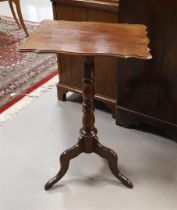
(128, 118)
(104, 5)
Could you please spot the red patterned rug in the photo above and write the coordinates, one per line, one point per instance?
(20, 73)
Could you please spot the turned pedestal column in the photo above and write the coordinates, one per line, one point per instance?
(88, 140)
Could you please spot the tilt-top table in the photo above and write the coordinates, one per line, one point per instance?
(89, 39)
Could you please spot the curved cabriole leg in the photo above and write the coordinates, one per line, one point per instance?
(64, 163)
(112, 158)
(13, 13)
(18, 9)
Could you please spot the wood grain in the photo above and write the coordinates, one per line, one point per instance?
(89, 38)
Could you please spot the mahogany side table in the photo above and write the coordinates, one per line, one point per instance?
(89, 39)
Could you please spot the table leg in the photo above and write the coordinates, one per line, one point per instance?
(88, 140)
(18, 9)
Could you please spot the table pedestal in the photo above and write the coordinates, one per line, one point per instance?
(88, 140)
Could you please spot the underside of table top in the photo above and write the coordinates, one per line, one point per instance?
(89, 39)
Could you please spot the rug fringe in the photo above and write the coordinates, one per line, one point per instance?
(13, 110)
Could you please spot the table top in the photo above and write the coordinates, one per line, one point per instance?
(89, 39)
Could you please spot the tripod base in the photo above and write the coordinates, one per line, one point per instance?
(88, 141)
(97, 148)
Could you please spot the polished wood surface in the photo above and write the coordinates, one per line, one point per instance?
(20, 23)
(118, 40)
(70, 67)
(89, 38)
(153, 81)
